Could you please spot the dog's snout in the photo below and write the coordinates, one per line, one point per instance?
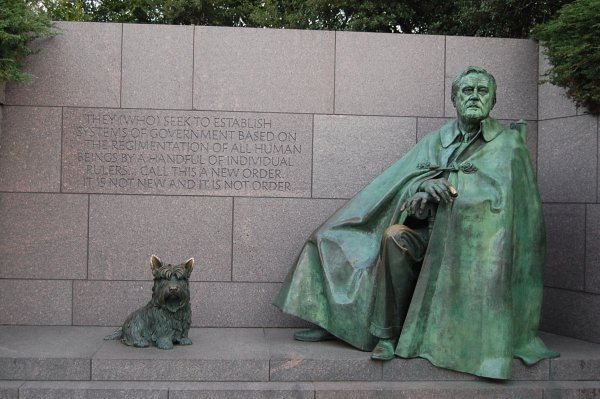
(173, 289)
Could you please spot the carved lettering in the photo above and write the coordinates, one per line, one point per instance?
(186, 152)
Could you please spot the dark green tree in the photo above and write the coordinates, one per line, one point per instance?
(498, 18)
(492, 18)
(371, 16)
(179, 12)
(20, 23)
(67, 10)
(202, 12)
(572, 45)
(140, 11)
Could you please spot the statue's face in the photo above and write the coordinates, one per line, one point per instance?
(475, 97)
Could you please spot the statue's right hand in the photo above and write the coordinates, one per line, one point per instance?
(416, 204)
(440, 189)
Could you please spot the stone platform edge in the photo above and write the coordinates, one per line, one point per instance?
(50, 353)
(303, 390)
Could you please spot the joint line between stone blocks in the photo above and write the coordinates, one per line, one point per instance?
(334, 68)
(232, 237)
(87, 255)
(121, 77)
(585, 216)
(444, 77)
(60, 171)
(312, 157)
(193, 61)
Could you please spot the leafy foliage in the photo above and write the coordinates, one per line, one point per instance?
(371, 16)
(179, 12)
(491, 18)
(572, 45)
(66, 10)
(500, 18)
(143, 11)
(20, 23)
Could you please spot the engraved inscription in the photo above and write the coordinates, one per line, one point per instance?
(186, 152)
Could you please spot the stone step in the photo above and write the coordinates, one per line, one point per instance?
(244, 354)
(300, 390)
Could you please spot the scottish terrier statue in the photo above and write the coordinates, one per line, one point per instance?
(166, 319)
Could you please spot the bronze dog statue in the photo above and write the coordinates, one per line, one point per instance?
(166, 319)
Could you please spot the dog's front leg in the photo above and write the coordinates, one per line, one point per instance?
(164, 343)
(183, 341)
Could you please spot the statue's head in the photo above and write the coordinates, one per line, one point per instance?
(474, 93)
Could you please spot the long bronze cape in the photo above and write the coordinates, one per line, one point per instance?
(478, 298)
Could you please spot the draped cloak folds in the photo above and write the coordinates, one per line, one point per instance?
(477, 301)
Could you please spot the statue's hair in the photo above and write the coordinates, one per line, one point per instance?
(467, 71)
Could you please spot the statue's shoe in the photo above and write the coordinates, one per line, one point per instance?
(313, 335)
(384, 350)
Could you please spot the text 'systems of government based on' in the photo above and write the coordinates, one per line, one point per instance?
(186, 152)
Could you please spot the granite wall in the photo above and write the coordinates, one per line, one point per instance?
(568, 180)
(231, 145)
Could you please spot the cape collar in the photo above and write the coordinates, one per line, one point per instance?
(490, 127)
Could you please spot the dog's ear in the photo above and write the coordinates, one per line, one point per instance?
(155, 263)
(189, 266)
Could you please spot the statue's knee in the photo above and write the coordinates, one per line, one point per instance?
(395, 232)
(401, 237)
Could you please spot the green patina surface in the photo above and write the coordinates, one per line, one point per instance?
(477, 301)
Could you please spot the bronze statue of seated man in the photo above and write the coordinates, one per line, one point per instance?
(439, 257)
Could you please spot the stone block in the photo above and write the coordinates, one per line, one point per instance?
(239, 305)
(141, 151)
(108, 303)
(81, 66)
(570, 313)
(532, 141)
(552, 100)
(386, 74)
(10, 389)
(318, 361)
(241, 390)
(243, 69)
(427, 390)
(212, 357)
(36, 302)
(94, 390)
(30, 149)
(575, 369)
(48, 353)
(565, 246)
(579, 360)
(567, 159)
(44, 236)
(157, 66)
(422, 370)
(573, 390)
(349, 151)
(126, 230)
(592, 245)
(428, 125)
(268, 234)
(513, 62)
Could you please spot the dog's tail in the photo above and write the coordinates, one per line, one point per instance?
(117, 334)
